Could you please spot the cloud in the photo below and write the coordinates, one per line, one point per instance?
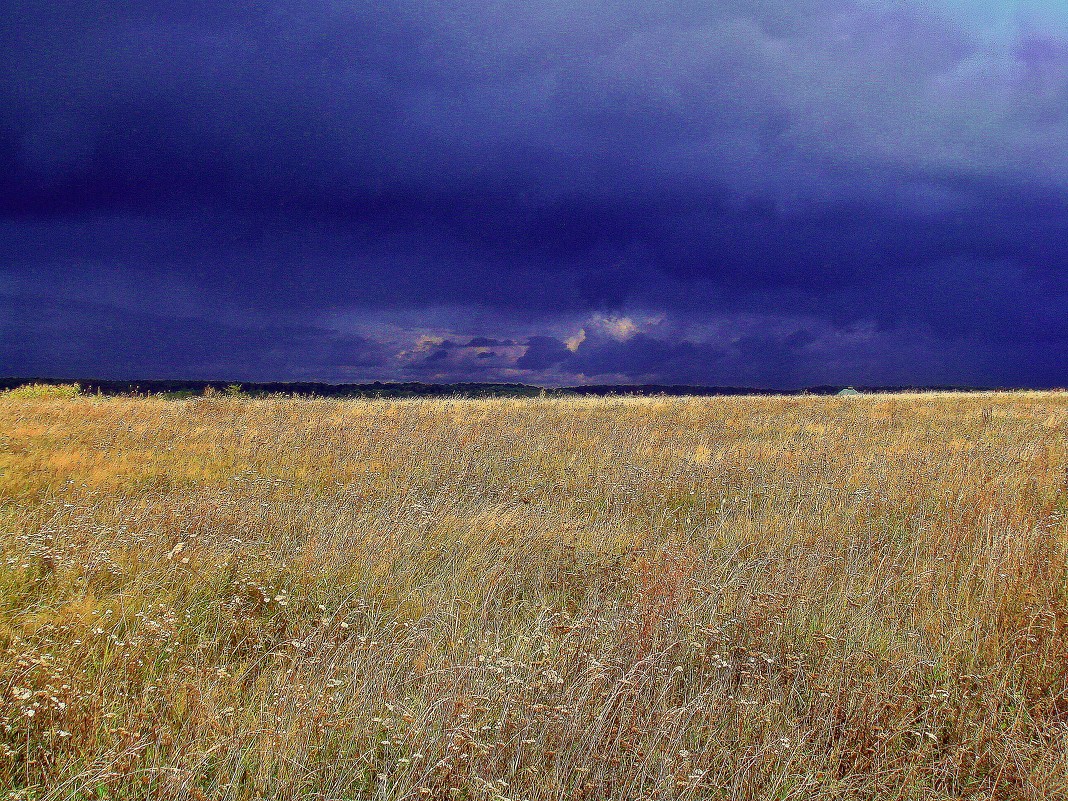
(68, 339)
(322, 105)
(537, 191)
(543, 353)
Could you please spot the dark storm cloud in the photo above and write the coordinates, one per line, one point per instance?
(74, 340)
(453, 188)
(542, 353)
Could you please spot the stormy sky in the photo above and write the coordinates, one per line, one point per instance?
(773, 193)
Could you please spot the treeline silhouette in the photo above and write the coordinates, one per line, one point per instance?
(378, 389)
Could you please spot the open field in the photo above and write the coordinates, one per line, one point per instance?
(752, 598)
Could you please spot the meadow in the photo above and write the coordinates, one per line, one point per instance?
(612, 598)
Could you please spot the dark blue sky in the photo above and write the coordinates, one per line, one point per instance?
(761, 192)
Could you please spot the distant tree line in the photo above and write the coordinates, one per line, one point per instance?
(378, 389)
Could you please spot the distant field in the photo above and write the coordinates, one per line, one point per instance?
(744, 598)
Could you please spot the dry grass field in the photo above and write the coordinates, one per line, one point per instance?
(720, 598)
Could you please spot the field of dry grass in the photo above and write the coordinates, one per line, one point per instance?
(745, 598)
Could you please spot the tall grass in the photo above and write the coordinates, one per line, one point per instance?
(43, 391)
(745, 598)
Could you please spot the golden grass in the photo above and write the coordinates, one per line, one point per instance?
(746, 598)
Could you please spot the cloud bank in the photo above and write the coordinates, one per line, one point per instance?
(763, 193)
